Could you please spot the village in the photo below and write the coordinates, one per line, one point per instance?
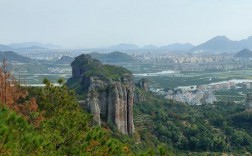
(201, 94)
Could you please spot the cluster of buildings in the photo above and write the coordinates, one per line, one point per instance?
(178, 58)
(59, 70)
(196, 58)
(197, 95)
(232, 84)
(194, 62)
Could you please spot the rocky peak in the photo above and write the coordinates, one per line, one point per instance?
(143, 84)
(82, 64)
(109, 91)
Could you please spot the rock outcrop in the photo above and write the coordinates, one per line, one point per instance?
(144, 84)
(248, 100)
(141, 87)
(109, 90)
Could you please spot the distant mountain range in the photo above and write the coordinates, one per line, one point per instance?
(170, 47)
(178, 47)
(27, 46)
(32, 45)
(246, 53)
(150, 47)
(123, 46)
(5, 48)
(218, 44)
(223, 44)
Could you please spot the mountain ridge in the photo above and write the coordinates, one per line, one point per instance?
(215, 44)
(177, 47)
(223, 44)
(12, 56)
(5, 48)
(24, 45)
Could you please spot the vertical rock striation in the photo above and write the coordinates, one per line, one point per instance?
(110, 92)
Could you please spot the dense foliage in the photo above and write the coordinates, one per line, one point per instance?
(17, 136)
(64, 130)
(218, 128)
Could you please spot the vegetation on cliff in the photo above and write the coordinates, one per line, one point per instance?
(84, 66)
(93, 67)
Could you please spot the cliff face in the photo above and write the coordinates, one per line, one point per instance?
(142, 85)
(112, 102)
(248, 101)
(109, 96)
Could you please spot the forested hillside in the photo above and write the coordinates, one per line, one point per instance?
(204, 129)
(49, 121)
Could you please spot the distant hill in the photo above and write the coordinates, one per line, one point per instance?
(5, 48)
(124, 46)
(223, 44)
(149, 47)
(244, 53)
(114, 57)
(31, 48)
(11, 56)
(32, 45)
(178, 47)
(65, 60)
(171, 47)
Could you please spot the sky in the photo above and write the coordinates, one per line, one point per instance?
(101, 23)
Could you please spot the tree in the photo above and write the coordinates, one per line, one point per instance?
(13, 96)
(69, 128)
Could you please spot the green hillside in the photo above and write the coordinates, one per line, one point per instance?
(245, 53)
(11, 56)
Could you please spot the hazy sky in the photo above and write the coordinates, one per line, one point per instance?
(97, 23)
